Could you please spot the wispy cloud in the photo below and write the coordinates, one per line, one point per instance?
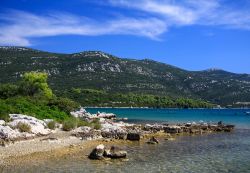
(156, 17)
(20, 27)
(190, 12)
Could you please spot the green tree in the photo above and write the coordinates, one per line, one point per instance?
(35, 83)
(8, 90)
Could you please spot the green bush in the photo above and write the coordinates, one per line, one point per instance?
(69, 124)
(96, 124)
(33, 107)
(64, 104)
(82, 123)
(8, 90)
(35, 83)
(23, 127)
(51, 125)
(5, 110)
(4, 116)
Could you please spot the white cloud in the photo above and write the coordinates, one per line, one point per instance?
(20, 27)
(190, 12)
(147, 18)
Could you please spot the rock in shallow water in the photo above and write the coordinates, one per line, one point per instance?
(115, 153)
(97, 153)
(153, 140)
(100, 153)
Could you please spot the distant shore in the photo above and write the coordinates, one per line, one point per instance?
(97, 107)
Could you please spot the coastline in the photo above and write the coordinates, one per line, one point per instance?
(42, 148)
(222, 108)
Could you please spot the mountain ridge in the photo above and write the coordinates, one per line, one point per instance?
(103, 71)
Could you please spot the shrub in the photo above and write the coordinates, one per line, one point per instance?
(51, 125)
(96, 124)
(64, 104)
(82, 123)
(69, 124)
(8, 90)
(23, 127)
(5, 117)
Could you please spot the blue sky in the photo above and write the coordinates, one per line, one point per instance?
(191, 34)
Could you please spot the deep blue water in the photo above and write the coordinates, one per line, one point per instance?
(231, 116)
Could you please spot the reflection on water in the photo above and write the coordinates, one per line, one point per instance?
(223, 152)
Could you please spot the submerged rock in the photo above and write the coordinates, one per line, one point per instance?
(153, 140)
(97, 153)
(100, 153)
(115, 153)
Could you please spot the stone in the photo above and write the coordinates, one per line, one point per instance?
(133, 136)
(170, 139)
(115, 153)
(82, 129)
(172, 129)
(153, 140)
(97, 153)
(7, 133)
(154, 127)
(2, 122)
(38, 127)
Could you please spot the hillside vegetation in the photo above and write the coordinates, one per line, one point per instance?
(124, 81)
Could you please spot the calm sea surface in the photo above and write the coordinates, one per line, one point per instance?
(222, 152)
(233, 116)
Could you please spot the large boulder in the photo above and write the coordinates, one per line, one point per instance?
(38, 127)
(114, 133)
(115, 153)
(7, 133)
(114, 130)
(133, 136)
(97, 153)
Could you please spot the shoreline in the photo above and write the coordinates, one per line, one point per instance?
(58, 143)
(222, 108)
(41, 149)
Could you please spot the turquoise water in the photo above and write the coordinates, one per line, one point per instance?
(232, 116)
(211, 153)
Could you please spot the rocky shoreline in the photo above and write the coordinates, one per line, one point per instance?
(15, 143)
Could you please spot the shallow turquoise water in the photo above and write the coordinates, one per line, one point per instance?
(232, 116)
(211, 153)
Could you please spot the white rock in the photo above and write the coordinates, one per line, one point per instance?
(2, 122)
(84, 129)
(8, 133)
(100, 147)
(38, 127)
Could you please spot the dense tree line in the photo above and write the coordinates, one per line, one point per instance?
(91, 97)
